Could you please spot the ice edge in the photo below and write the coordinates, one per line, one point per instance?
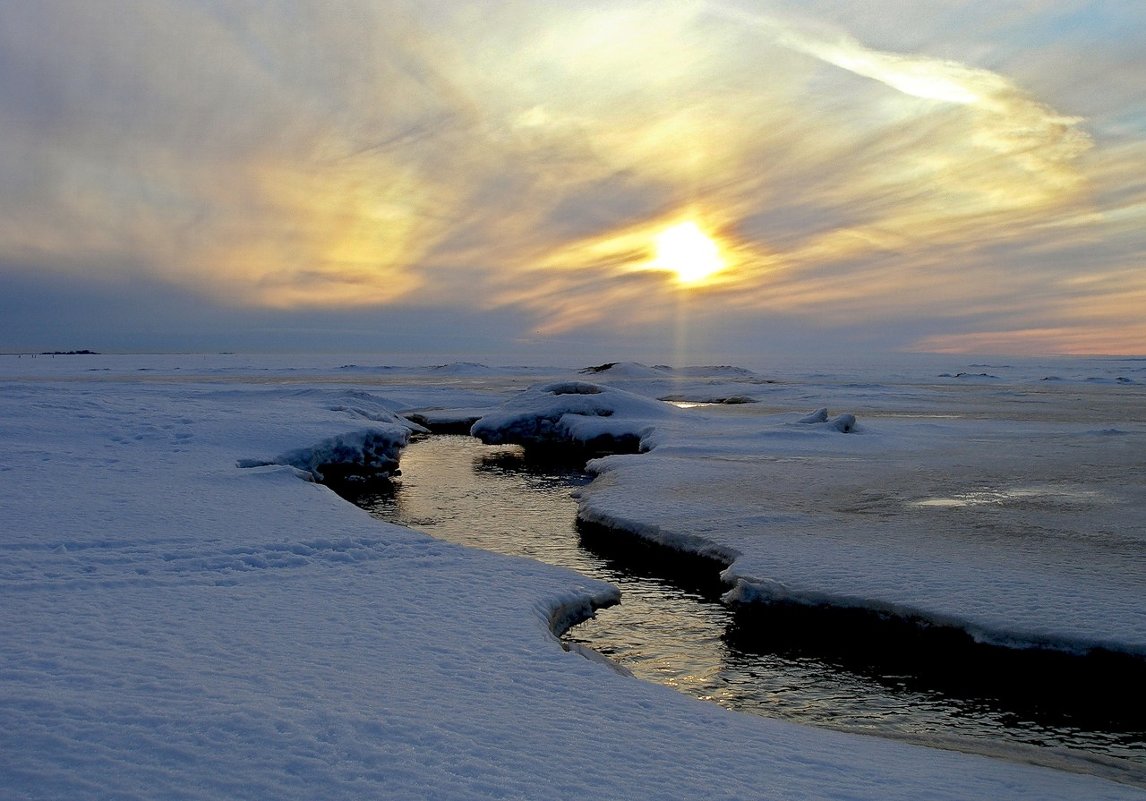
(748, 590)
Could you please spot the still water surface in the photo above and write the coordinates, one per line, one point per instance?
(671, 628)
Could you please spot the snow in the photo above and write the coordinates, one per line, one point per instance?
(176, 626)
(367, 453)
(576, 414)
(691, 385)
(1011, 514)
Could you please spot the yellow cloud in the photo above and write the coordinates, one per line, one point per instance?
(1093, 340)
(527, 155)
(953, 160)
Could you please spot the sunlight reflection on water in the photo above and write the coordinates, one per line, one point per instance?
(673, 630)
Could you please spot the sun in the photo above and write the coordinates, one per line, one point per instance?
(687, 251)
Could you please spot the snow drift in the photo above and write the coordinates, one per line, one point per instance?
(573, 416)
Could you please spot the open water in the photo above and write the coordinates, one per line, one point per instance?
(671, 628)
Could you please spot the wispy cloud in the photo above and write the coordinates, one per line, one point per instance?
(525, 155)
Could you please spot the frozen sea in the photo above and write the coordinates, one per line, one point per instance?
(189, 615)
(792, 662)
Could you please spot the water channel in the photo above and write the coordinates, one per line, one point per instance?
(671, 628)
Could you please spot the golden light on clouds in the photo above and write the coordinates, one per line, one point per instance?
(580, 164)
(933, 160)
(1080, 340)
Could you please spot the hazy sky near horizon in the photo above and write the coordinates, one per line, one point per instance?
(944, 175)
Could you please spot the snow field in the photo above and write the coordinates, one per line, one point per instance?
(988, 527)
(176, 626)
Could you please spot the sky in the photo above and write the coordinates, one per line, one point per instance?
(954, 176)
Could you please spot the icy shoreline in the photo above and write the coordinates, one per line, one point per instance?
(1094, 688)
(178, 627)
(983, 524)
(746, 591)
(620, 498)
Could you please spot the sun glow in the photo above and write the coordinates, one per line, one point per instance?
(687, 251)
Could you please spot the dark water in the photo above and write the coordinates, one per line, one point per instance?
(671, 628)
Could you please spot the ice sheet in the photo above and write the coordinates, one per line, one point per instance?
(176, 626)
(1016, 511)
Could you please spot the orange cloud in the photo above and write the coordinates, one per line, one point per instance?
(527, 155)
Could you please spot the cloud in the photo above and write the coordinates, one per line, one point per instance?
(45, 312)
(229, 152)
(519, 158)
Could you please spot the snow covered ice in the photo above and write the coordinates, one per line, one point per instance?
(178, 626)
(1023, 527)
(575, 415)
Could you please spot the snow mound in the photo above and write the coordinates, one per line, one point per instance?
(366, 406)
(818, 416)
(844, 423)
(461, 368)
(625, 370)
(573, 415)
(718, 371)
(370, 452)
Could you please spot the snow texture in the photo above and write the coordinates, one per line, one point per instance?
(1011, 512)
(178, 627)
(373, 452)
(573, 414)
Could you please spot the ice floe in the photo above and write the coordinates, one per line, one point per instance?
(861, 521)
